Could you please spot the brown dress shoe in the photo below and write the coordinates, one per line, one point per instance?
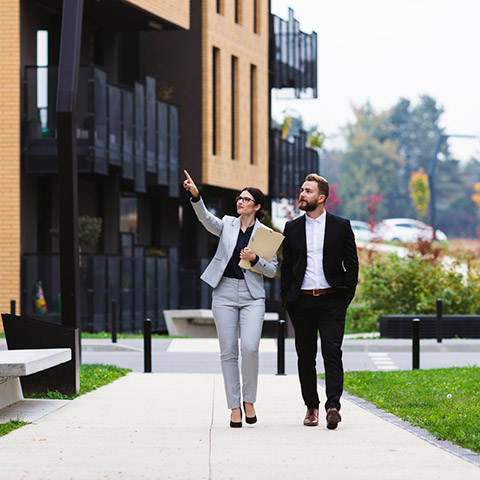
(311, 417)
(333, 418)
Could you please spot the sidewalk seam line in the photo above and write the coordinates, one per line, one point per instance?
(210, 433)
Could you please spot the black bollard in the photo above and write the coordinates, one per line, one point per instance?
(114, 321)
(415, 344)
(147, 345)
(12, 307)
(439, 320)
(281, 347)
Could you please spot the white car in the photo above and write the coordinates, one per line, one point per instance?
(406, 230)
(362, 231)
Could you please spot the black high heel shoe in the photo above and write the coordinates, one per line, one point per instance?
(249, 420)
(236, 424)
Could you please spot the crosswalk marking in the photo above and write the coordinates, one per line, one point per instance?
(382, 361)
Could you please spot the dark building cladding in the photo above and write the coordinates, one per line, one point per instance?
(133, 139)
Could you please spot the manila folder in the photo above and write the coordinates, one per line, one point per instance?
(265, 244)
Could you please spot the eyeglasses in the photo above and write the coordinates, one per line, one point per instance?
(244, 199)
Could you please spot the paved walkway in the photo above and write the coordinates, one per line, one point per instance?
(175, 426)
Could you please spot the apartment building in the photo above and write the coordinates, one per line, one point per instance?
(164, 85)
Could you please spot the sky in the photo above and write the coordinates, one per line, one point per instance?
(382, 50)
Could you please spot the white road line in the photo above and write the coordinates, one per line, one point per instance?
(382, 361)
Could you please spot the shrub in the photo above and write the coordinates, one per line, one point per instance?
(411, 285)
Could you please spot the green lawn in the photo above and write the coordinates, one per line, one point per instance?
(11, 425)
(444, 401)
(91, 377)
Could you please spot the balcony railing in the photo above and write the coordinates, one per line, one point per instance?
(293, 56)
(142, 287)
(289, 163)
(115, 126)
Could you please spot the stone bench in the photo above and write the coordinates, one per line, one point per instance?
(17, 363)
(197, 323)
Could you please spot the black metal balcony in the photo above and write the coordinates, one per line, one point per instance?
(289, 164)
(142, 286)
(293, 56)
(115, 126)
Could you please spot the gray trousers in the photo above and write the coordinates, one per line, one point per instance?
(234, 308)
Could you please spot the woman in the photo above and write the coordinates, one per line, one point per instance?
(238, 298)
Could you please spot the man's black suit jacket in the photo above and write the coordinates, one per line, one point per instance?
(340, 260)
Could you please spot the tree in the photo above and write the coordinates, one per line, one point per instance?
(476, 195)
(334, 201)
(416, 129)
(370, 165)
(419, 191)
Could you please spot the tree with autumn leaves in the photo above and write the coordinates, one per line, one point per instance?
(420, 192)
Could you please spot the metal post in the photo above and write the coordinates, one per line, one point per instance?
(281, 347)
(90, 308)
(12, 307)
(114, 321)
(147, 345)
(68, 68)
(439, 320)
(415, 344)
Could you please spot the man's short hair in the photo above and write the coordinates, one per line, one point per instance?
(323, 187)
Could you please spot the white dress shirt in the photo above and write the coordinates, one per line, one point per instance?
(315, 232)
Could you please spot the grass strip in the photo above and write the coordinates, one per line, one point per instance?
(11, 425)
(92, 376)
(444, 401)
(101, 335)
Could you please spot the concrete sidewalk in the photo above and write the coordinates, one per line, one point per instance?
(175, 426)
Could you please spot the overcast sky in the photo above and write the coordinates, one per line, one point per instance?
(381, 50)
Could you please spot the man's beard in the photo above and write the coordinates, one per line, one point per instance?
(308, 207)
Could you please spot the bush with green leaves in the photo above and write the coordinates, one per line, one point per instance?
(411, 285)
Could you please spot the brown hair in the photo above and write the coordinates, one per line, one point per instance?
(259, 198)
(323, 187)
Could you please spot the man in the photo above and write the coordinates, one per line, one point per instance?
(319, 277)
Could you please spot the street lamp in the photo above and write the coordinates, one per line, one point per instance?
(431, 170)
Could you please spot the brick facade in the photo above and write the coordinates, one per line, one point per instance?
(174, 11)
(238, 39)
(9, 154)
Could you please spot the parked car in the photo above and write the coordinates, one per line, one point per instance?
(362, 231)
(406, 230)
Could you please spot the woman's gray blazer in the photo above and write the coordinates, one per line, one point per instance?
(227, 229)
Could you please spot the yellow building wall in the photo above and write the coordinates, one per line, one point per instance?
(240, 40)
(174, 11)
(9, 154)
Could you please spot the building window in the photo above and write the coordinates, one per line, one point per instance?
(215, 99)
(256, 14)
(128, 214)
(220, 6)
(238, 11)
(42, 78)
(253, 113)
(234, 97)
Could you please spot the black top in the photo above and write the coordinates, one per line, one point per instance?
(233, 270)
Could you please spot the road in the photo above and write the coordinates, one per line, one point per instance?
(201, 355)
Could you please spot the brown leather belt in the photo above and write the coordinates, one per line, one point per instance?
(318, 291)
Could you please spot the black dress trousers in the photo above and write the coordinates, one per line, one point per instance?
(324, 315)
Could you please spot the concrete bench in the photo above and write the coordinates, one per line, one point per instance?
(197, 323)
(17, 363)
